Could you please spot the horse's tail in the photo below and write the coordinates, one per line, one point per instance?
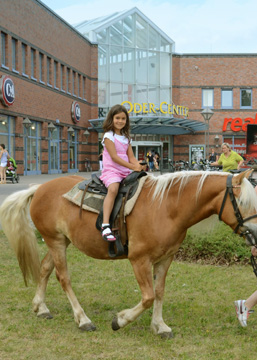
(14, 217)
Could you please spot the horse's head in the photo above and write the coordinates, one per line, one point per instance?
(244, 202)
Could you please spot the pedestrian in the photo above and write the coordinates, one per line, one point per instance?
(229, 159)
(244, 307)
(118, 161)
(213, 156)
(150, 158)
(4, 156)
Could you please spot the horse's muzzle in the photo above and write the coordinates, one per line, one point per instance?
(249, 232)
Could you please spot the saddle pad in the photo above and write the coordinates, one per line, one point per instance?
(94, 202)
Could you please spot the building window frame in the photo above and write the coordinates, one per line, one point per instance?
(68, 80)
(79, 81)
(207, 98)
(24, 50)
(48, 71)
(243, 98)
(84, 88)
(14, 55)
(41, 68)
(9, 134)
(4, 50)
(62, 77)
(33, 63)
(224, 105)
(55, 74)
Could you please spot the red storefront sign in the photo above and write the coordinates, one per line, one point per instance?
(238, 124)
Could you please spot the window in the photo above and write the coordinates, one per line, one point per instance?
(48, 71)
(14, 54)
(207, 98)
(61, 76)
(41, 60)
(24, 58)
(246, 98)
(73, 80)
(55, 74)
(33, 63)
(226, 98)
(84, 87)
(68, 80)
(3, 46)
(79, 79)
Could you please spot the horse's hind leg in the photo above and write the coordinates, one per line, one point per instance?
(60, 263)
(39, 306)
(158, 325)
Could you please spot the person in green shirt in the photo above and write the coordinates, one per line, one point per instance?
(229, 159)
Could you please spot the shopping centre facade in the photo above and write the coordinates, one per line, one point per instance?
(58, 83)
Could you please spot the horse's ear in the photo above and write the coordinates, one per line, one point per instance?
(237, 180)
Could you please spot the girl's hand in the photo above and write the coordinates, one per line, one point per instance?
(138, 167)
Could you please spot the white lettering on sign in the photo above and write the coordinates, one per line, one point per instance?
(10, 90)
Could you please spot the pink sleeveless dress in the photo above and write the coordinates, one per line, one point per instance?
(113, 172)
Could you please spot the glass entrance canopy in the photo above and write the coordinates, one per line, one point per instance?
(156, 125)
(134, 58)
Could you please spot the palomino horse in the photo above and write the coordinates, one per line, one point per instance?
(166, 207)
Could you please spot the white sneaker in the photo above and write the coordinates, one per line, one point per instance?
(242, 312)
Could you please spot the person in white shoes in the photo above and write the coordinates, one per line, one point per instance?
(244, 307)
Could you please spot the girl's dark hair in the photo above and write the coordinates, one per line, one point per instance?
(3, 146)
(108, 123)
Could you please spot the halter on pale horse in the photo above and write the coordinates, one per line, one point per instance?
(246, 232)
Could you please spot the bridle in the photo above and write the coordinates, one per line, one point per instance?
(246, 232)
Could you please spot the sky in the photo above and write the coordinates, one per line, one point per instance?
(196, 26)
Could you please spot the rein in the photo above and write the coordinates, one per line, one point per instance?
(247, 233)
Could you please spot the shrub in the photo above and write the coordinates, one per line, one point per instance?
(216, 246)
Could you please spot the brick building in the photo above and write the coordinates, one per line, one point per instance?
(49, 86)
(49, 89)
(226, 83)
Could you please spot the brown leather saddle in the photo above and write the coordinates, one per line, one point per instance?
(127, 189)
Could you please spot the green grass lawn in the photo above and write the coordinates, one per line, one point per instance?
(198, 306)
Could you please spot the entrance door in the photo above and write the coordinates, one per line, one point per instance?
(54, 153)
(32, 163)
(141, 148)
(73, 145)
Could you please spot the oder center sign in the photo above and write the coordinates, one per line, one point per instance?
(164, 108)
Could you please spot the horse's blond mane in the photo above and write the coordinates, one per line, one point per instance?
(247, 198)
(163, 183)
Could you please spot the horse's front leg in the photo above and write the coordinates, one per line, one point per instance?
(158, 325)
(143, 272)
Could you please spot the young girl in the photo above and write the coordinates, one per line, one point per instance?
(4, 156)
(118, 160)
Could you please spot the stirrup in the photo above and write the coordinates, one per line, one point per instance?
(105, 236)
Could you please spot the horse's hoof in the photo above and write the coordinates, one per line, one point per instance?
(167, 335)
(45, 315)
(87, 327)
(115, 325)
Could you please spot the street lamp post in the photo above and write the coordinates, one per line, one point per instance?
(207, 114)
(86, 133)
(27, 124)
(51, 128)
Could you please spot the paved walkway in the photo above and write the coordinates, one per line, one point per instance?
(26, 181)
